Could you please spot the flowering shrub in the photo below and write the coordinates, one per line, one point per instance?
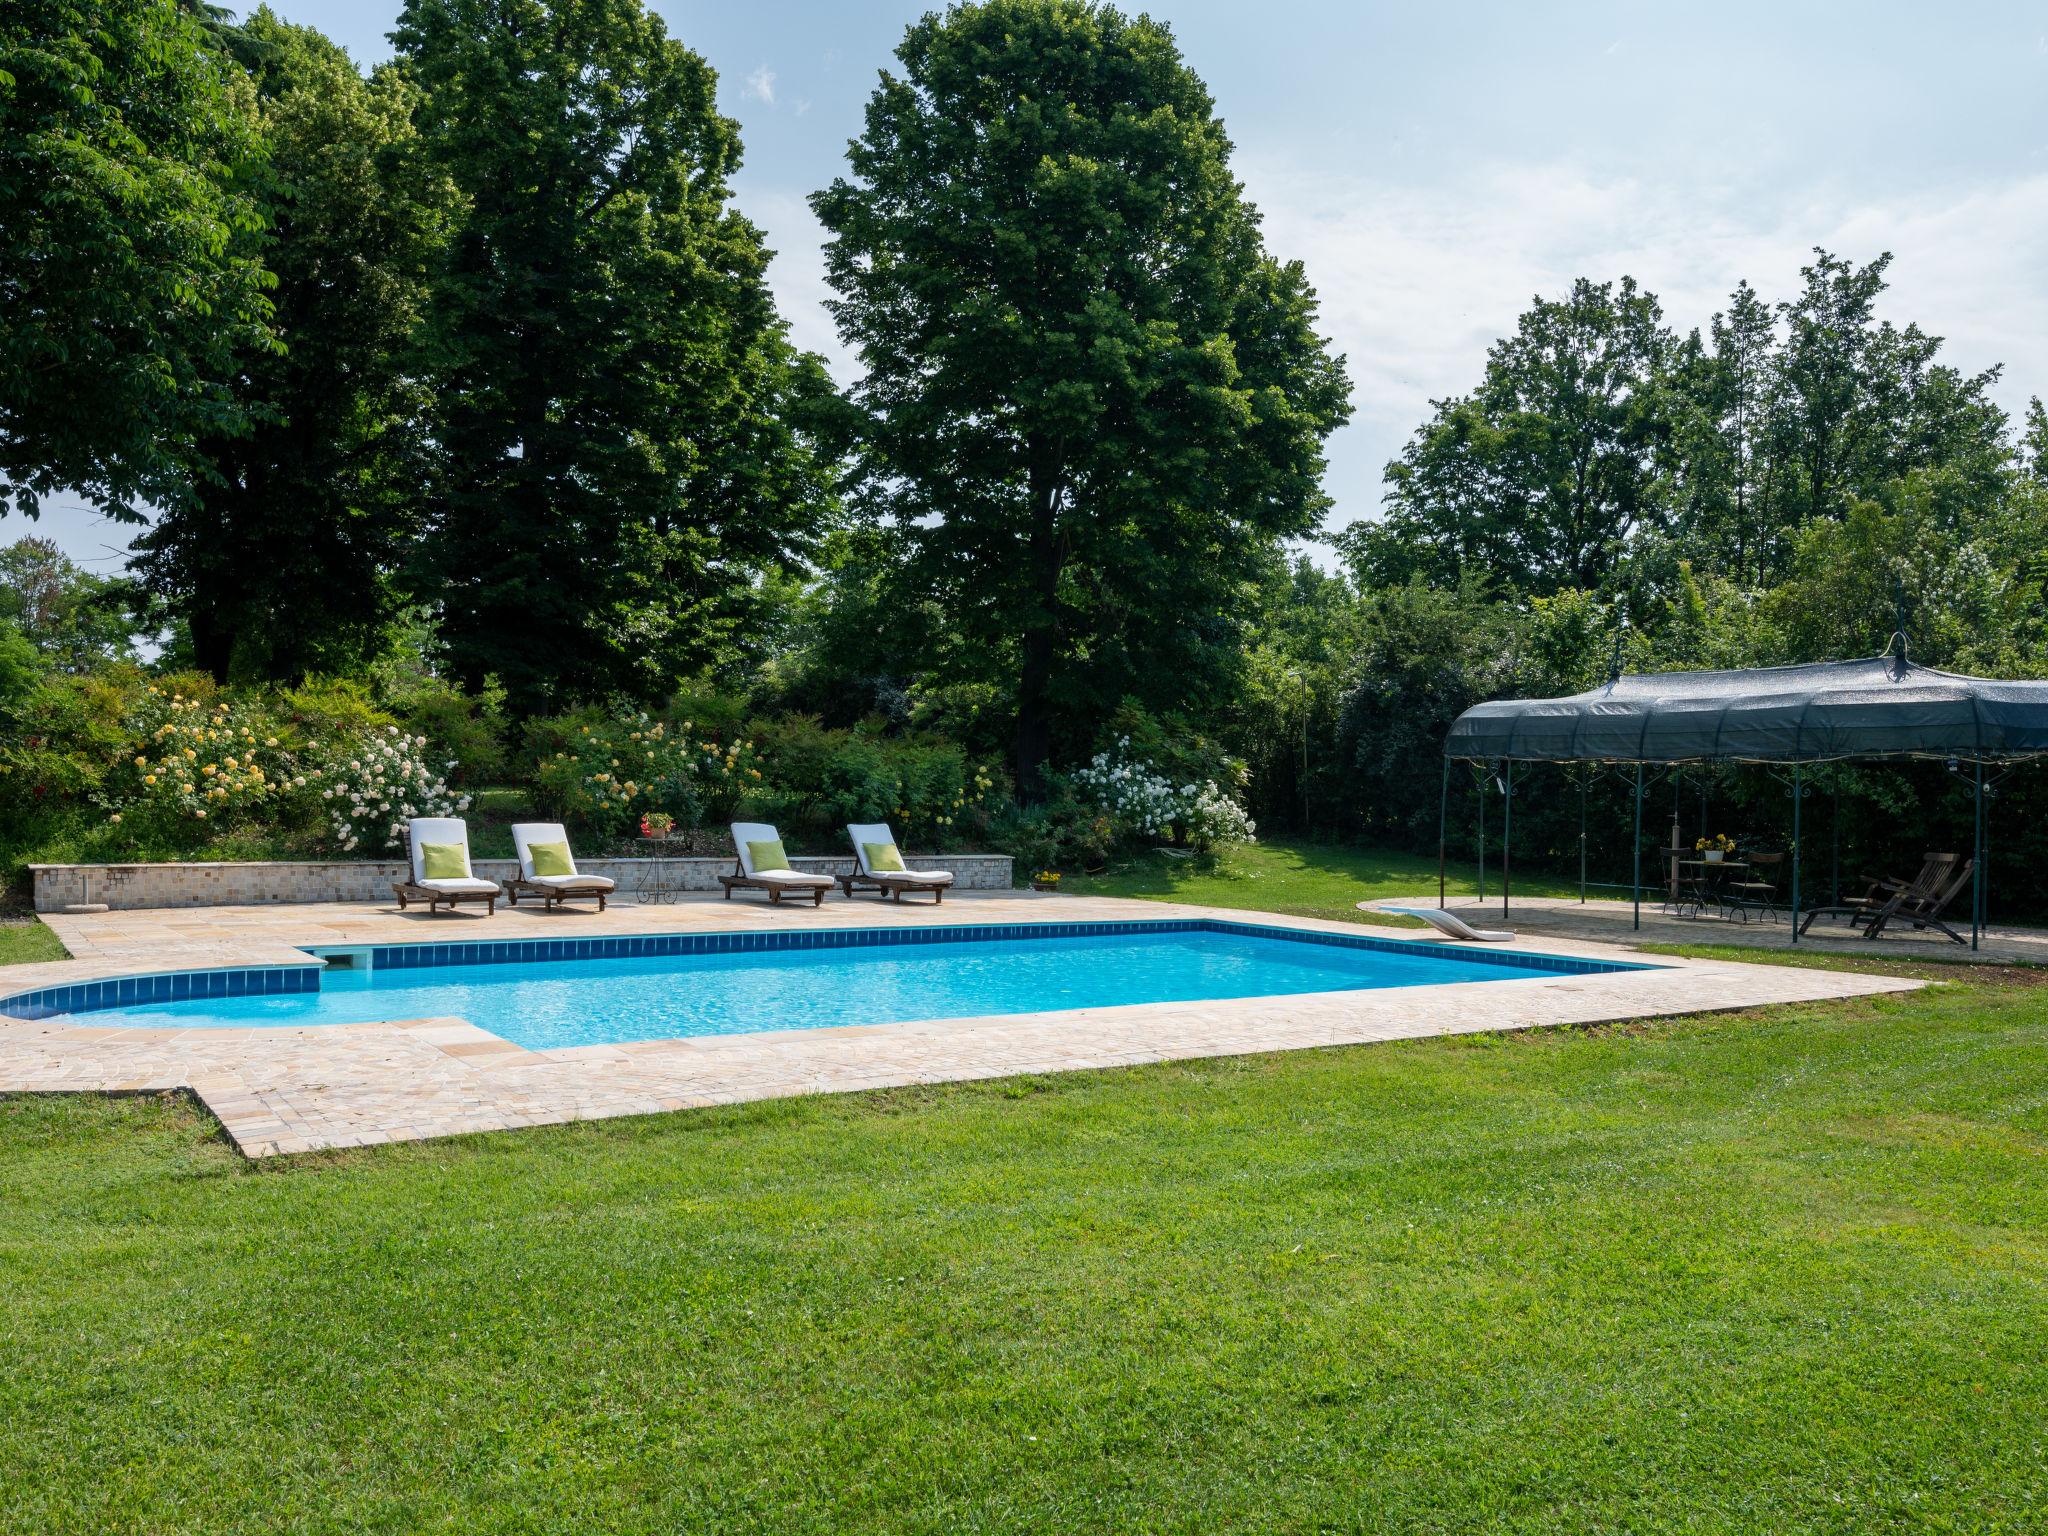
(381, 782)
(614, 771)
(197, 762)
(1145, 803)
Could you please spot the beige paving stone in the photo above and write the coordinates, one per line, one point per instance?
(281, 1091)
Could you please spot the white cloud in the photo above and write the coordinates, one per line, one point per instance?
(1417, 282)
(761, 84)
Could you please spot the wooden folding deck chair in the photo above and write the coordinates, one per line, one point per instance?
(1880, 893)
(1922, 911)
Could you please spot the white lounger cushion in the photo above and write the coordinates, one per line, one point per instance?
(454, 887)
(571, 882)
(863, 833)
(441, 831)
(745, 832)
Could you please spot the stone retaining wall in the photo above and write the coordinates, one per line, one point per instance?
(127, 886)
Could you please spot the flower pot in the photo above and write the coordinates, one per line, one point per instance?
(1713, 855)
(1045, 885)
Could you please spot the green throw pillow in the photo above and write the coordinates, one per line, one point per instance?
(767, 856)
(550, 859)
(443, 861)
(883, 859)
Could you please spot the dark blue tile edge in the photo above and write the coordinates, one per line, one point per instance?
(172, 986)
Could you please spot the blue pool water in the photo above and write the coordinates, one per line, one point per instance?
(550, 1002)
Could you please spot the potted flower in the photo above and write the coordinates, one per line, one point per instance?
(1715, 848)
(656, 824)
(1046, 880)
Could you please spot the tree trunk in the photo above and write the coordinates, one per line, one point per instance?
(1041, 634)
(213, 642)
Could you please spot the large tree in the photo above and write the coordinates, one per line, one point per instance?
(618, 419)
(279, 561)
(1543, 475)
(1090, 397)
(129, 284)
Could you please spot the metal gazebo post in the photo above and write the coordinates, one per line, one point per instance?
(1797, 786)
(1443, 811)
(1507, 827)
(1585, 778)
(1977, 910)
(1639, 846)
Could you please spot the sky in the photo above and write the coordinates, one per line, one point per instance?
(1437, 166)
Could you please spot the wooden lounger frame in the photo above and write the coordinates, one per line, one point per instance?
(888, 884)
(551, 895)
(405, 891)
(740, 880)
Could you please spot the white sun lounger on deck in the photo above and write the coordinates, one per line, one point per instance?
(1449, 924)
(865, 835)
(776, 882)
(553, 890)
(440, 833)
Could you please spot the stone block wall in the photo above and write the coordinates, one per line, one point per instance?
(128, 886)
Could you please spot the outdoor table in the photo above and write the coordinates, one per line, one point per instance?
(1707, 879)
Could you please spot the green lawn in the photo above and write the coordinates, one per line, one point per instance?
(1779, 1272)
(21, 942)
(1300, 879)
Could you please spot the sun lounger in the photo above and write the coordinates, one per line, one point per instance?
(1934, 870)
(438, 848)
(547, 869)
(1922, 910)
(874, 849)
(1449, 924)
(758, 849)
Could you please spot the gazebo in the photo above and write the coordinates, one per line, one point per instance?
(1789, 718)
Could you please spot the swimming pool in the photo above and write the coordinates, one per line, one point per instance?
(548, 993)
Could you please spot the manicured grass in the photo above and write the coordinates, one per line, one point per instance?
(28, 939)
(1780, 1272)
(1299, 879)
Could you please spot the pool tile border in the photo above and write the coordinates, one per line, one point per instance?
(639, 946)
(167, 987)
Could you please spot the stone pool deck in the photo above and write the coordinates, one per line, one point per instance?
(289, 1090)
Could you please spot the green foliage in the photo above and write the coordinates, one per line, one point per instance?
(127, 216)
(1549, 469)
(1599, 450)
(1090, 400)
(301, 517)
(73, 619)
(622, 433)
(19, 668)
(820, 779)
(469, 727)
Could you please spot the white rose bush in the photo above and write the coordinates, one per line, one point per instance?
(1144, 802)
(375, 786)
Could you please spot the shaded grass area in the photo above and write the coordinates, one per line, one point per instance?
(1784, 1271)
(27, 940)
(1296, 878)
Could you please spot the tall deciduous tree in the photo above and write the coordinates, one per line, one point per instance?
(1090, 396)
(619, 420)
(1542, 476)
(129, 284)
(279, 562)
